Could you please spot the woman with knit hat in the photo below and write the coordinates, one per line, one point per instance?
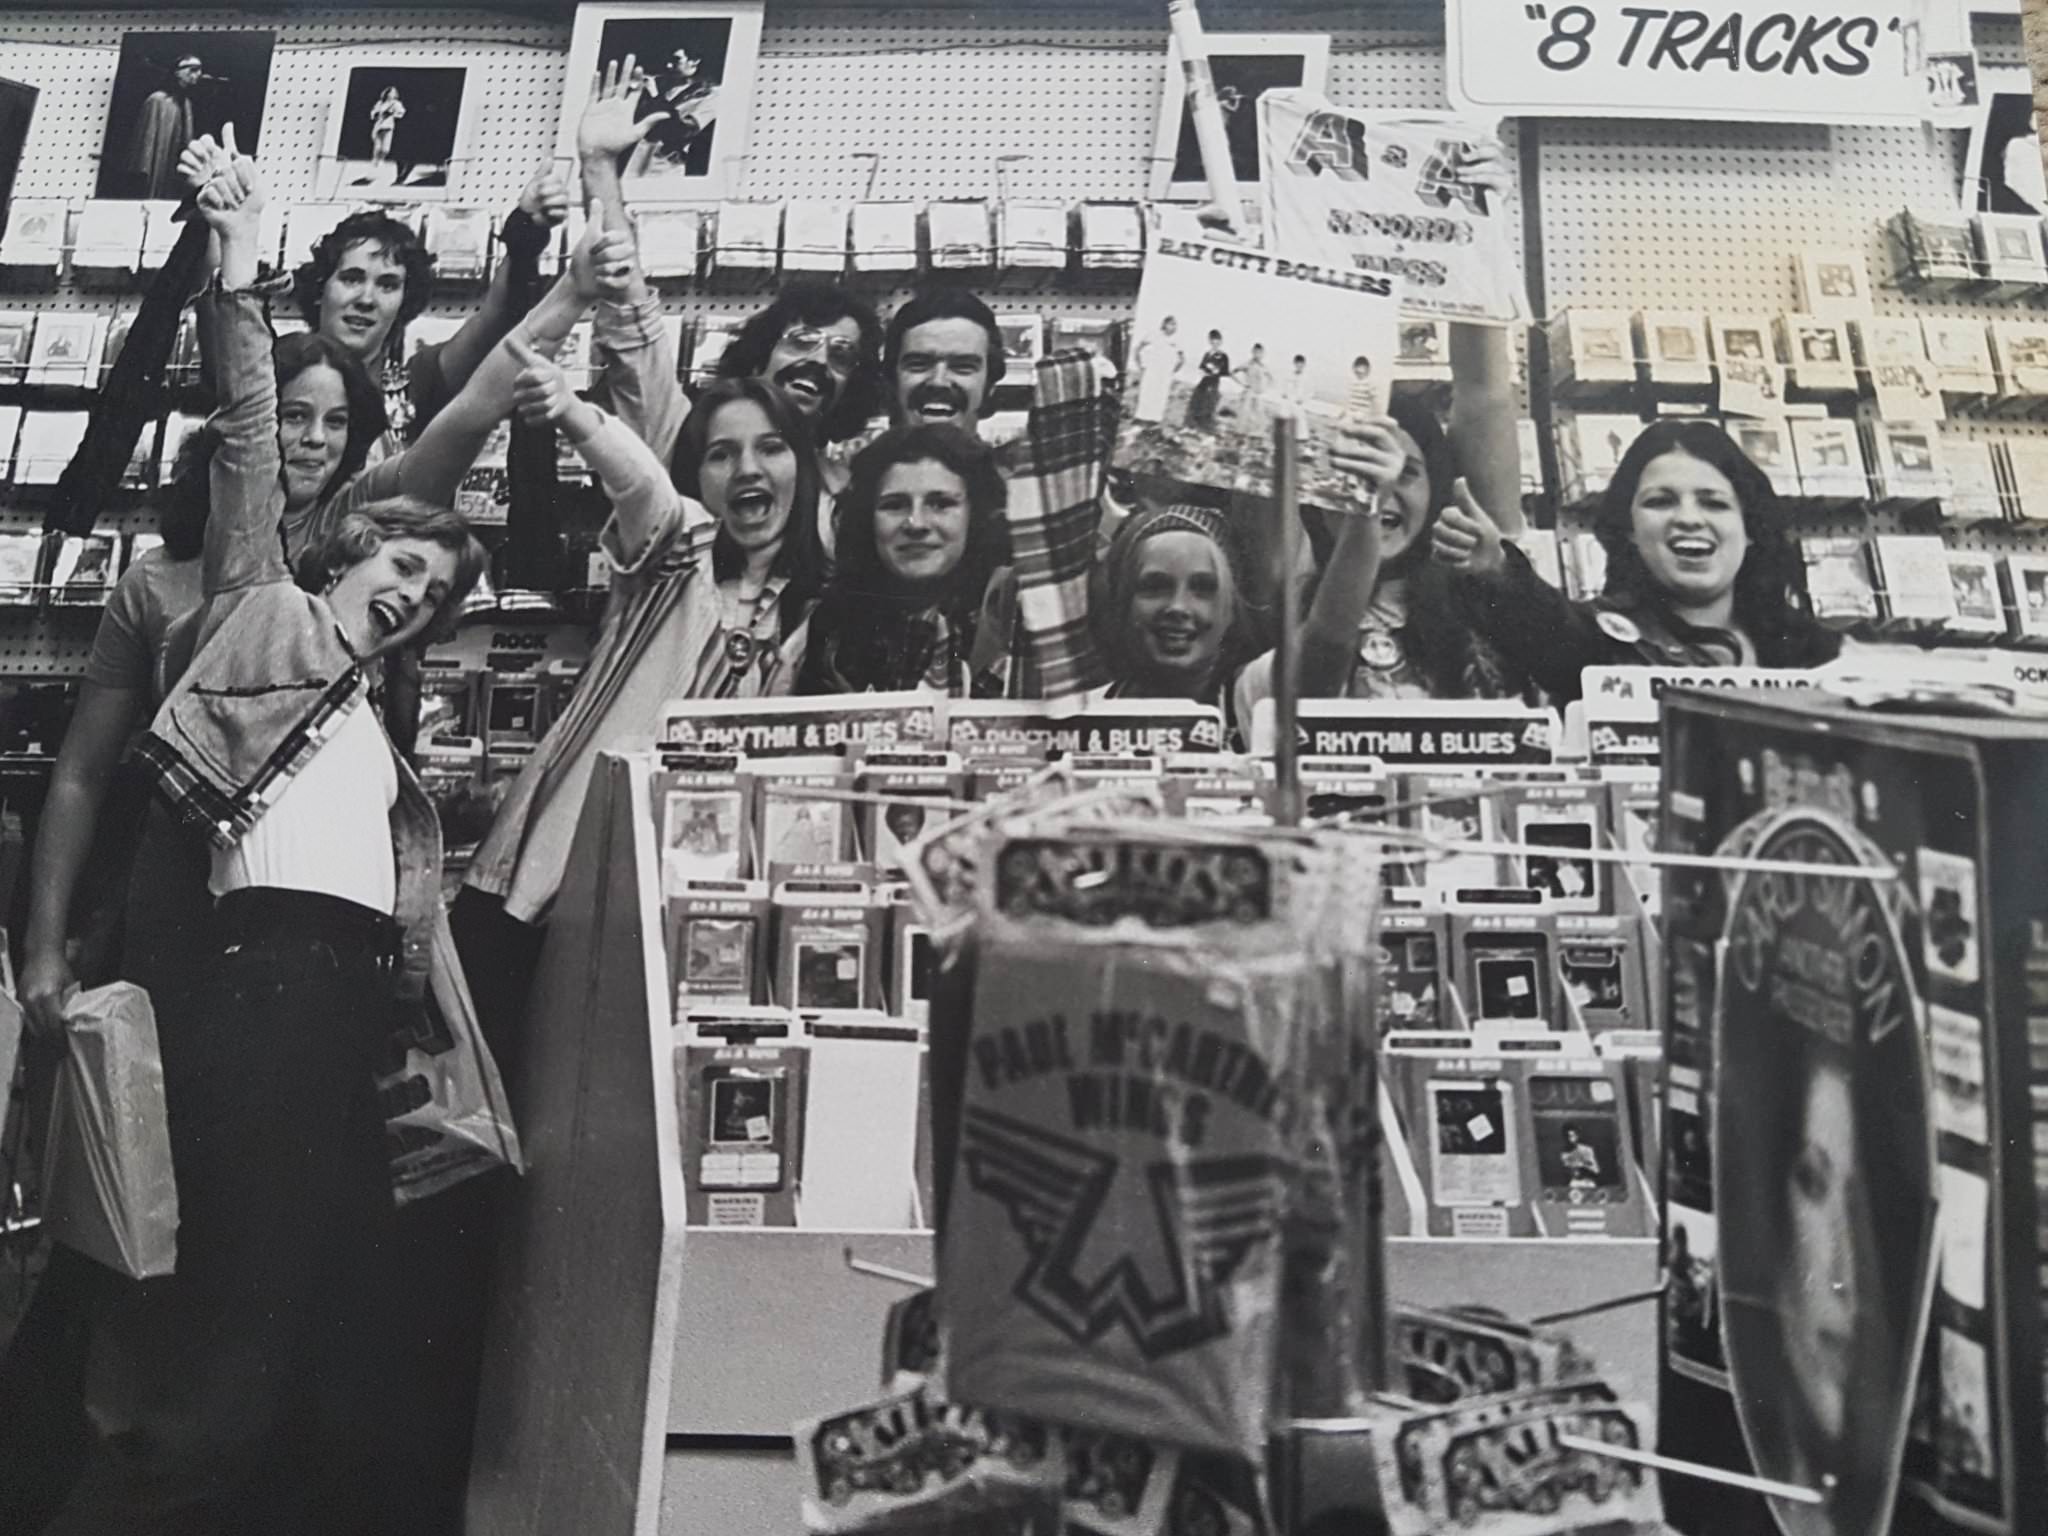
(1171, 622)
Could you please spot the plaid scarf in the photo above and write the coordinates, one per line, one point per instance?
(1056, 472)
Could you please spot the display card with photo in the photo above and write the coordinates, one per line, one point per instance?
(1580, 1159)
(1471, 1143)
(1225, 339)
(701, 836)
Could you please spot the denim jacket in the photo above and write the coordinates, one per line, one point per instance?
(272, 673)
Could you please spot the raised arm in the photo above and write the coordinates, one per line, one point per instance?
(1329, 634)
(542, 207)
(242, 546)
(638, 353)
(1482, 425)
(432, 467)
(645, 502)
(1528, 621)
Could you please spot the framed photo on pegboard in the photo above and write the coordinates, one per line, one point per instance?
(694, 66)
(171, 87)
(398, 131)
(1244, 66)
(2002, 172)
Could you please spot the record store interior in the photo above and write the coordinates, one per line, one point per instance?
(1074, 768)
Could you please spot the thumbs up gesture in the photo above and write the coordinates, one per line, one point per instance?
(1466, 538)
(541, 394)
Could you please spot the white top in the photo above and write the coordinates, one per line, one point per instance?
(330, 829)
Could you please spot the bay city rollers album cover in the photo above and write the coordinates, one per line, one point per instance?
(1853, 1301)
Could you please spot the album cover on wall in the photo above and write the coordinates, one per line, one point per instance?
(17, 110)
(170, 88)
(1244, 66)
(693, 66)
(2002, 165)
(398, 131)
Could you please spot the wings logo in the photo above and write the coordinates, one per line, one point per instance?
(1211, 1215)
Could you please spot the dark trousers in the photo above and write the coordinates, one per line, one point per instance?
(251, 1390)
(446, 1241)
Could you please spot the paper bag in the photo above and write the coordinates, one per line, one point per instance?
(108, 1187)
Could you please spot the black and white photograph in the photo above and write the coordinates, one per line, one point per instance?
(2002, 167)
(17, 111)
(398, 131)
(171, 87)
(692, 69)
(1244, 66)
(1218, 351)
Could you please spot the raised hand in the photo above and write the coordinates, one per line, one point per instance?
(1371, 455)
(1467, 538)
(198, 161)
(1483, 163)
(602, 258)
(233, 198)
(541, 394)
(608, 127)
(546, 198)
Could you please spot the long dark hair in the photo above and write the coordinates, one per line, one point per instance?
(1770, 584)
(800, 560)
(1441, 646)
(861, 573)
(183, 503)
(871, 631)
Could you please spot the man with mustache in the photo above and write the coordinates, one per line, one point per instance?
(943, 358)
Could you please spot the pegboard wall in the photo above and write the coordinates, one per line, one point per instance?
(1708, 217)
(915, 103)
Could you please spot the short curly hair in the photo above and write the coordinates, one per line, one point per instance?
(361, 531)
(392, 239)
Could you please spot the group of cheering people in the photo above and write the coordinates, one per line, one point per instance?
(285, 895)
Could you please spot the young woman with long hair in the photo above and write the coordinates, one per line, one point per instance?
(923, 595)
(256, 1368)
(1699, 572)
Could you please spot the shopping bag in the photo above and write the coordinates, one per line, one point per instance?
(108, 1189)
(445, 1114)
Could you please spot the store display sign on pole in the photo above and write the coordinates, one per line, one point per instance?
(1814, 61)
(1374, 194)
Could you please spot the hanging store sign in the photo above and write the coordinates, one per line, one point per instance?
(1808, 61)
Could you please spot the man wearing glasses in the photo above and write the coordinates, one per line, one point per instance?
(818, 344)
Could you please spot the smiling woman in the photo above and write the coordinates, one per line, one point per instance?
(326, 934)
(1699, 572)
(923, 595)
